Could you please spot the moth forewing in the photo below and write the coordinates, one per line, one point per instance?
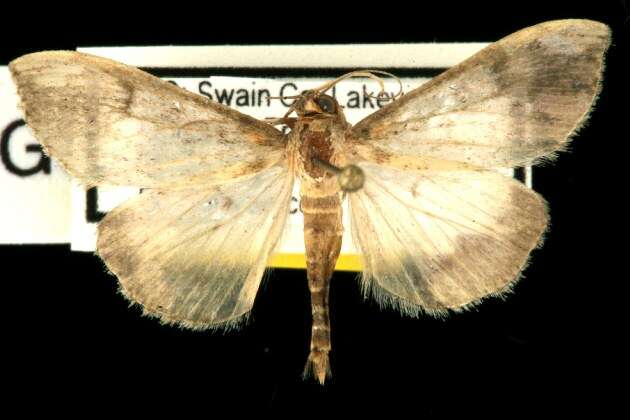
(112, 124)
(513, 103)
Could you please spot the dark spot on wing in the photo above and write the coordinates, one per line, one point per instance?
(380, 155)
(255, 166)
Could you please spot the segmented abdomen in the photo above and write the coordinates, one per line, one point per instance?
(323, 231)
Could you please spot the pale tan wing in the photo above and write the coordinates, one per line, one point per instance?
(518, 100)
(108, 123)
(438, 240)
(195, 257)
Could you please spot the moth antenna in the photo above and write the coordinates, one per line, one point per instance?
(371, 74)
(291, 108)
(384, 95)
(351, 177)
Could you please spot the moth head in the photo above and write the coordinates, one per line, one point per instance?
(316, 104)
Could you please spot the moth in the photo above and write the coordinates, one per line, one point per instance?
(437, 227)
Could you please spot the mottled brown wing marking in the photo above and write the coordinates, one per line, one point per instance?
(112, 124)
(516, 101)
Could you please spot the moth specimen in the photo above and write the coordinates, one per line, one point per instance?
(437, 227)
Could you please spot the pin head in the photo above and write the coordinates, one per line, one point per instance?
(351, 178)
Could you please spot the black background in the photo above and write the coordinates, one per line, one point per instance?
(71, 343)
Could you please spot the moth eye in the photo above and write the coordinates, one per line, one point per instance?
(326, 103)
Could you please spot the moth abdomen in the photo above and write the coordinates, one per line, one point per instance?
(323, 231)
